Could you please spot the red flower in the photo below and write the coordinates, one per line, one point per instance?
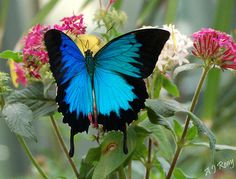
(215, 46)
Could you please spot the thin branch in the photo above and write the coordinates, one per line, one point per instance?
(130, 170)
(63, 146)
(149, 162)
(187, 121)
(31, 157)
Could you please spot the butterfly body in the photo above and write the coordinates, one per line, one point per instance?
(108, 85)
(90, 62)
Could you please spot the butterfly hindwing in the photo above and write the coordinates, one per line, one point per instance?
(121, 66)
(74, 88)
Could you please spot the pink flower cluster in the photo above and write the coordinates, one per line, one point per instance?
(73, 24)
(216, 46)
(34, 52)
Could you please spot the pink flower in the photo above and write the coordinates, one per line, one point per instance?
(215, 46)
(21, 78)
(34, 53)
(73, 24)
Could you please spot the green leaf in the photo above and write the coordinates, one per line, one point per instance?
(159, 136)
(170, 86)
(140, 149)
(112, 155)
(164, 164)
(168, 108)
(158, 114)
(158, 80)
(178, 128)
(141, 117)
(218, 147)
(192, 133)
(8, 54)
(203, 129)
(140, 153)
(33, 97)
(179, 174)
(86, 169)
(141, 132)
(18, 117)
(157, 118)
(93, 155)
(88, 164)
(190, 66)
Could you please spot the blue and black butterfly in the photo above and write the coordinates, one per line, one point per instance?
(107, 86)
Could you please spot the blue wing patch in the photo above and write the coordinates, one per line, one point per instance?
(79, 90)
(120, 56)
(112, 92)
(79, 94)
(71, 58)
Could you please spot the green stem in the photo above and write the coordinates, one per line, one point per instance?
(2, 102)
(192, 107)
(150, 85)
(63, 146)
(3, 16)
(29, 154)
(121, 173)
(149, 162)
(130, 170)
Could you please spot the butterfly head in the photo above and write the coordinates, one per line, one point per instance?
(88, 53)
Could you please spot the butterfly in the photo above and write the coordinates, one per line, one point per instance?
(105, 88)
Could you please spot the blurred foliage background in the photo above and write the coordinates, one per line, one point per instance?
(217, 106)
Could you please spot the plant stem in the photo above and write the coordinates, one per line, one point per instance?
(2, 102)
(149, 162)
(63, 146)
(29, 154)
(130, 170)
(192, 107)
(121, 173)
(150, 84)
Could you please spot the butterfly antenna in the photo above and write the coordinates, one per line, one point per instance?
(83, 45)
(87, 44)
